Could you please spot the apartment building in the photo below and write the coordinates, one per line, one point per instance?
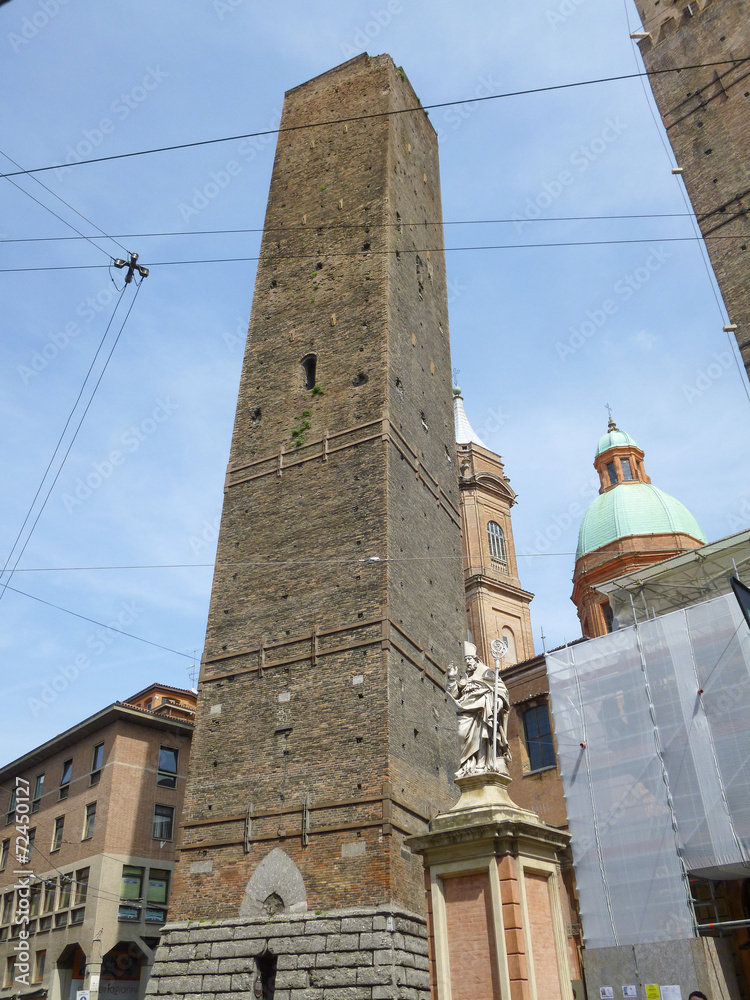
(88, 824)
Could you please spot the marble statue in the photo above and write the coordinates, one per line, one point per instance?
(474, 694)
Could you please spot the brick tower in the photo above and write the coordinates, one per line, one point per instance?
(323, 733)
(706, 113)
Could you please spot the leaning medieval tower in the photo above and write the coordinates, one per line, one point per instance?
(323, 733)
(697, 58)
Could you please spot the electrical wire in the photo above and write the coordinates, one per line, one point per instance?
(72, 440)
(67, 205)
(110, 628)
(270, 258)
(381, 114)
(357, 225)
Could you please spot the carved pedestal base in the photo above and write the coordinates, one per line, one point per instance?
(492, 877)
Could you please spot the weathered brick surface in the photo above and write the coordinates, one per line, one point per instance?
(307, 966)
(706, 112)
(349, 271)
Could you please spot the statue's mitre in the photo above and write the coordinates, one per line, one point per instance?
(469, 649)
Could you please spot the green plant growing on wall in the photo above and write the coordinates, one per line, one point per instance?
(304, 423)
(317, 390)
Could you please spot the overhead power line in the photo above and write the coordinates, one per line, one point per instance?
(355, 225)
(269, 258)
(381, 114)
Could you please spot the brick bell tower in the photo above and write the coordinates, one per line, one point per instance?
(323, 734)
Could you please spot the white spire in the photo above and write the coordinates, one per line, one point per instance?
(464, 432)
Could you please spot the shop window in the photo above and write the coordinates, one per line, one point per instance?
(163, 822)
(38, 789)
(131, 886)
(57, 836)
(4, 852)
(496, 538)
(67, 770)
(538, 733)
(167, 777)
(97, 759)
(88, 823)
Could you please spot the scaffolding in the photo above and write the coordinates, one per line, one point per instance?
(651, 725)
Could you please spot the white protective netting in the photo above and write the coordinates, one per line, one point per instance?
(665, 773)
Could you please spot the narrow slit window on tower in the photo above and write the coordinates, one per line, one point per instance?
(309, 366)
(497, 542)
(627, 472)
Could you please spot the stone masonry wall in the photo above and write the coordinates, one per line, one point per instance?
(353, 954)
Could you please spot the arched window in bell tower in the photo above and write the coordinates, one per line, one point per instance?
(497, 542)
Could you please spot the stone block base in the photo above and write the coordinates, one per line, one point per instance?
(355, 954)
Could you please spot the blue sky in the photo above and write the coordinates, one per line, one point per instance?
(544, 337)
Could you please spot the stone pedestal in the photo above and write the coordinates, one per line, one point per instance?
(495, 919)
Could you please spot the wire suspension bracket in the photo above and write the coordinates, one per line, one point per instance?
(132, 265)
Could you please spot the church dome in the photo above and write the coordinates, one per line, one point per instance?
(633, 508)
(615, 438)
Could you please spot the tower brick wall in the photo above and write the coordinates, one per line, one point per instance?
(706, 113)
(322, 725)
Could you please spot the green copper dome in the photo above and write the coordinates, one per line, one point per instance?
(614, 438)
(633, 509)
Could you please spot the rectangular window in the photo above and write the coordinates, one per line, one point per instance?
(67, 770)
(10, 962)
(30, 851)
(34, 900)
(77, 915)
(538, 733)
(66, 883)
(50, 888)
(97, 760)
(11, 817)
(7, 907)
(4, 852)
(82, 885)
(154, 915)
(163, 822)
(167, 777)
(38, 789)
(88, 826)
(57, 836)
(61, 919)
(45, 923)
(41, 957)
(132, 882)
(627, 472)
(129, 913)
(612, 473)
(158, 886)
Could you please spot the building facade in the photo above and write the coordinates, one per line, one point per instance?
(87, 850)
(706, 113)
